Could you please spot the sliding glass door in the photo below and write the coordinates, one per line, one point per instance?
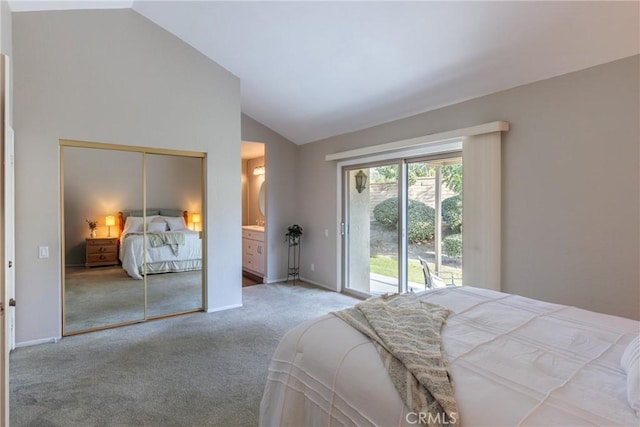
(402, 225)
(434, 222)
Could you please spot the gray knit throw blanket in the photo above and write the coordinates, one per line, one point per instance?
(406, 332)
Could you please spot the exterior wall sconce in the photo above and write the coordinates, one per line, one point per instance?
(361, 181)
(258, 170)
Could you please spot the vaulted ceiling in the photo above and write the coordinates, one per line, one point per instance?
(311, 70)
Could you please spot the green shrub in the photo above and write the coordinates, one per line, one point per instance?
(452, 212)
(421, 218)
(386, 212)
(452, 245)
(418, 211)
(420, 231)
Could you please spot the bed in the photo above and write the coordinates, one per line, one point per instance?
(512, 360)
(170, 245)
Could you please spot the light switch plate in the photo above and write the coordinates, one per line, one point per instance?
(43, 252)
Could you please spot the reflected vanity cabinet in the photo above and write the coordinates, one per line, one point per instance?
(253, 251)
(101, 251)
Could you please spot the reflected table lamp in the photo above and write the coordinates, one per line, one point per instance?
(109, 221)
(195, 219)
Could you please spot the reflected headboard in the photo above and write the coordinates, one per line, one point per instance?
(164, 212)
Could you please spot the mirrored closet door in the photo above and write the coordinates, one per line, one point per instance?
(132, 223)
(174, 258)
(97, 291)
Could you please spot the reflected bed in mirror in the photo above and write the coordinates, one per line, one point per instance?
(101, 296)
(170, 246)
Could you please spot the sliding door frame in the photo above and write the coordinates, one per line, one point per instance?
(402, 159)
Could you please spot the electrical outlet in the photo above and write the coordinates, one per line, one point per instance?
(326, 232)
(313, 267)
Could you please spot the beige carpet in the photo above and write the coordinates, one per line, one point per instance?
(202, 369)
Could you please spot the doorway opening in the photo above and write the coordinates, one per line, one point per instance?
(254, 213)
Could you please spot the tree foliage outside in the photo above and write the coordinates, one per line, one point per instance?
(451, 174)
(419, 170)
(452, 177)
(390, 174)
(384, 174)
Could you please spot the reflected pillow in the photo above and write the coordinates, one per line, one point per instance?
(133, 224)
(156, 227)
(176, 223)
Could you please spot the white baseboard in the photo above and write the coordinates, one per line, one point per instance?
(51, 340)
(228, 307)
(313, 282)
(301, 279)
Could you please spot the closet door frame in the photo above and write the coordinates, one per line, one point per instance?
(65, 143)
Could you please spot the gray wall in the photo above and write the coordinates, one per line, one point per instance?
(112, 76)
(283, 199)
(570, 181)
(5, 28)
(6, 47)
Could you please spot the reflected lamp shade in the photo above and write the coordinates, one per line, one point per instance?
(195, 219)
(258, 170)
(361, 181)
(110, 221)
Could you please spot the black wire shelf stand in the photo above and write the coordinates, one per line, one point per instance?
(293, 259)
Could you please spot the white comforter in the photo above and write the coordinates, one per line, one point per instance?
(513, 361)
(131, 250)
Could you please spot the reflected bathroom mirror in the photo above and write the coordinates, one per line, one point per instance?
(261, 197)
